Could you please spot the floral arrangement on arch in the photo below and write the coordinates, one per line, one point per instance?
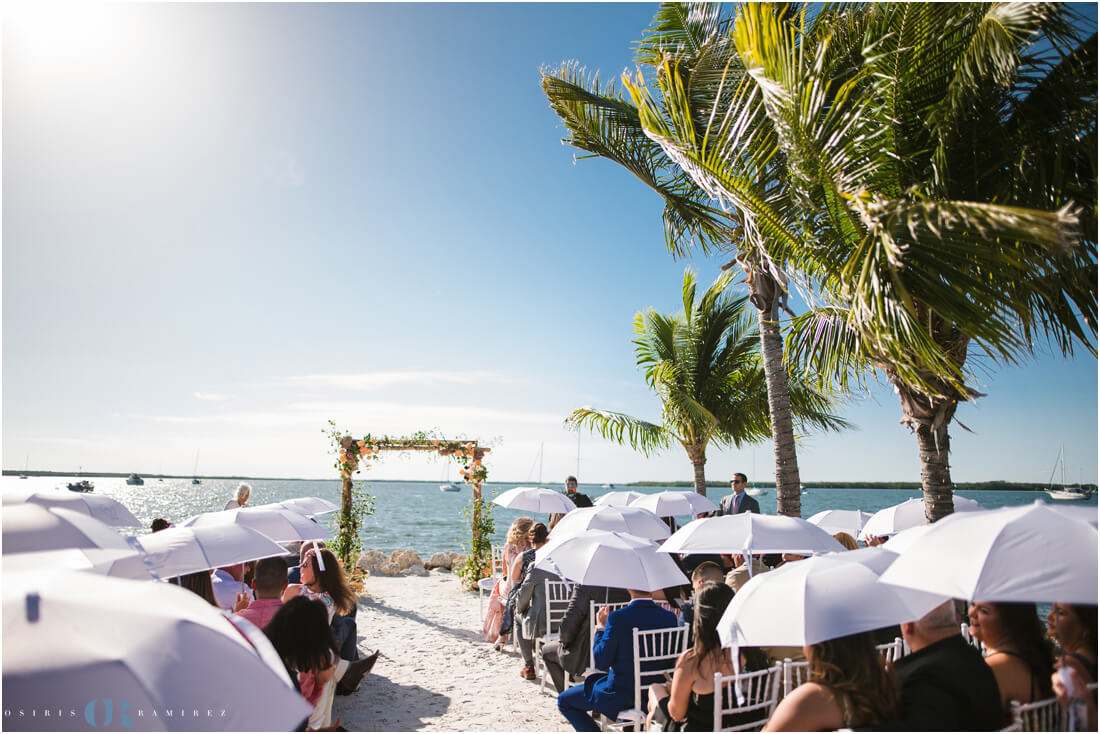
(352, 452)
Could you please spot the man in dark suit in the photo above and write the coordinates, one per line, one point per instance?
(530, 621)
(945, 683)
(613, 691)
(570, 653)
(579, 499)
(738, 502)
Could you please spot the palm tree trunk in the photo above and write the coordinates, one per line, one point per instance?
(764, 292)
(929, 417)
(700, 480)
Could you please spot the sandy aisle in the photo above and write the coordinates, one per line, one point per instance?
(435, 673)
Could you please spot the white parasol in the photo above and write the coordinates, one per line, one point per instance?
(107, 510)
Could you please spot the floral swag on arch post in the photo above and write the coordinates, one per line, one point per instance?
(354, 454)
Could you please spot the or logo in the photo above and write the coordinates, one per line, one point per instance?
(108, 712)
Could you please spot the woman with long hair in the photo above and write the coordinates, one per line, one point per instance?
(848, 686)
(689, 704)
(323, 579)
(300, 633)
(199, 583)
(536, 538)
(515, 544)
(1073, 627)
(1015, 648)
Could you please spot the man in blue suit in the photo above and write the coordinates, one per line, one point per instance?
(613, 692)
(738, 502)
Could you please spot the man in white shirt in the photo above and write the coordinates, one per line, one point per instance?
(228, 585)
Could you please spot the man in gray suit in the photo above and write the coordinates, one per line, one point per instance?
(531, 616)
(571, 651)
(738, 502)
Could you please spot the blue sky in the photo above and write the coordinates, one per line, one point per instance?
(226, 224)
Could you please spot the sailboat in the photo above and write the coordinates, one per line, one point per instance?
(25, 467)
(754, 490)
(1074, 492)
(448, 487)
(195, 474)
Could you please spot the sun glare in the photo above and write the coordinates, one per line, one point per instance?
(59, 33)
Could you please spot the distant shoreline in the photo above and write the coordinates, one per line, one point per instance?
(996, 485)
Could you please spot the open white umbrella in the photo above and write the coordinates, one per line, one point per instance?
(630, 520)
(1015, 554)
(277, 523)
(107, 510)
(534, 499)
(675, 503)
(30, 528)
(1078, 512)
(617, 499)
(908, 514)
(309, 505)
(126, 564)
(75, 641)
(841, 521)
(182, 550)
(817, 599)
(749, 533)
(617, 560)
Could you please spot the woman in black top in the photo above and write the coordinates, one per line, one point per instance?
(1073, 627)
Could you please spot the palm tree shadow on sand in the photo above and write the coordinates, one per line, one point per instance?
(382, 705)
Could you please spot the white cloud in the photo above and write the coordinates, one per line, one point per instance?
(211, 396)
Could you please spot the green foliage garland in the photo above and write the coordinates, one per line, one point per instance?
(479, 553)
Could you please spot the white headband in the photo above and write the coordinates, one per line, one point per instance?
(318, 556)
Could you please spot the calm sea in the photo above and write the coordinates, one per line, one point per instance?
(418, 515)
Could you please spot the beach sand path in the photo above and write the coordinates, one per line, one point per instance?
(435, 672)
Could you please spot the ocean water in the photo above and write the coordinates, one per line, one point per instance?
(419, 516)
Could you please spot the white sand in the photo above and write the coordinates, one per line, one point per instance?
(435, 673)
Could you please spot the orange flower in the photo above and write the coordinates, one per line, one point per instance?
(470, 445)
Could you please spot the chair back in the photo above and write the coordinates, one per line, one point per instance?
(890, 651)
(760, 690)
(497, 564)
(593, 608)
(655, 653)
(1045, 715)
(557, 601)
(972, 641)
(794, 674)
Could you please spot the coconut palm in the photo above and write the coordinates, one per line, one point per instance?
(940, 192)
(704, 364)
(691, 42)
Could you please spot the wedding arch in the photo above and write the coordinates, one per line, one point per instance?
(354, 454)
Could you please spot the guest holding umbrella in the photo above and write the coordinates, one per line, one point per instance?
(1015, 648)
(1073, 627)
(848, 687)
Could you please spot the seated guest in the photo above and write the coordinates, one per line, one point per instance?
(688, 704)
(268, 583)
(228, 583)
(848, 687)
(612, 692)
(945, 684)
(1015, 648)
(538, 533)
(739, 576)
(200, 584)
(570, 652)
(705, 573)
(515, 545)
(530, 614)
(846, 540)
(1073, 627)
(300, 634)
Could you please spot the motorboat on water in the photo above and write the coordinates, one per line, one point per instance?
(756, 491)
(1065, 493)
(608, 486)
(196, 480)
(82, 486)
(448, 487)
(135, 480)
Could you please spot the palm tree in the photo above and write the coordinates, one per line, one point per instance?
(705, 367)
(940, 193)
(690, 42)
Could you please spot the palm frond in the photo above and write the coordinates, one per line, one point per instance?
(623, 429)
